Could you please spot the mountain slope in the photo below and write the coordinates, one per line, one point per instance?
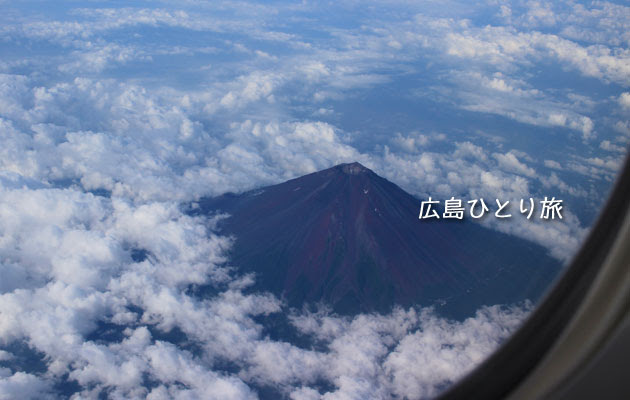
(352, 239)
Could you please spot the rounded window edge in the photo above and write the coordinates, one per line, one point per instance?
(508, 368)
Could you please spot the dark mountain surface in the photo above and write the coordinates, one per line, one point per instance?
(349, 238)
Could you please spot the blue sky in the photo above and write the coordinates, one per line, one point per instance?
(113, 114)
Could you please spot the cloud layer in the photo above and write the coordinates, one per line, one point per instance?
(114, 121)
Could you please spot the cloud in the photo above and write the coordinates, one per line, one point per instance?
(607, 145)
(415, 141)
(600, 22)
(513, 99)
(74, 253)
(168, 148)
(623, 127)
(470, 173)
(97, 58)
(553, 164)
(24, 386)
(378, 356)
(504, 47)
(481, 335)
(553, 181)
(538, 15)
(510, 162)
(111, 286)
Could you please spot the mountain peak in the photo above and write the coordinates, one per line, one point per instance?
(354, 168)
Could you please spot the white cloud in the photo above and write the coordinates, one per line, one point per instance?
(168, 148)
(513, 99)
(538, 15)
(98, 58)
(598, 22)
(66, 290)
(251, 88)
(469, 174)
(450, 360)
(623, 127)
(553, 181)
(24, 386)
(553, 164)
(467, 149)
(415, 141)
(503, 47)
(608, 146)
(378, 356)
(510, 162)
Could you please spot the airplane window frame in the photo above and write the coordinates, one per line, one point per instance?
(511, 364)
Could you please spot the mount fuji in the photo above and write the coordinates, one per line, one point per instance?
(351, 239)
